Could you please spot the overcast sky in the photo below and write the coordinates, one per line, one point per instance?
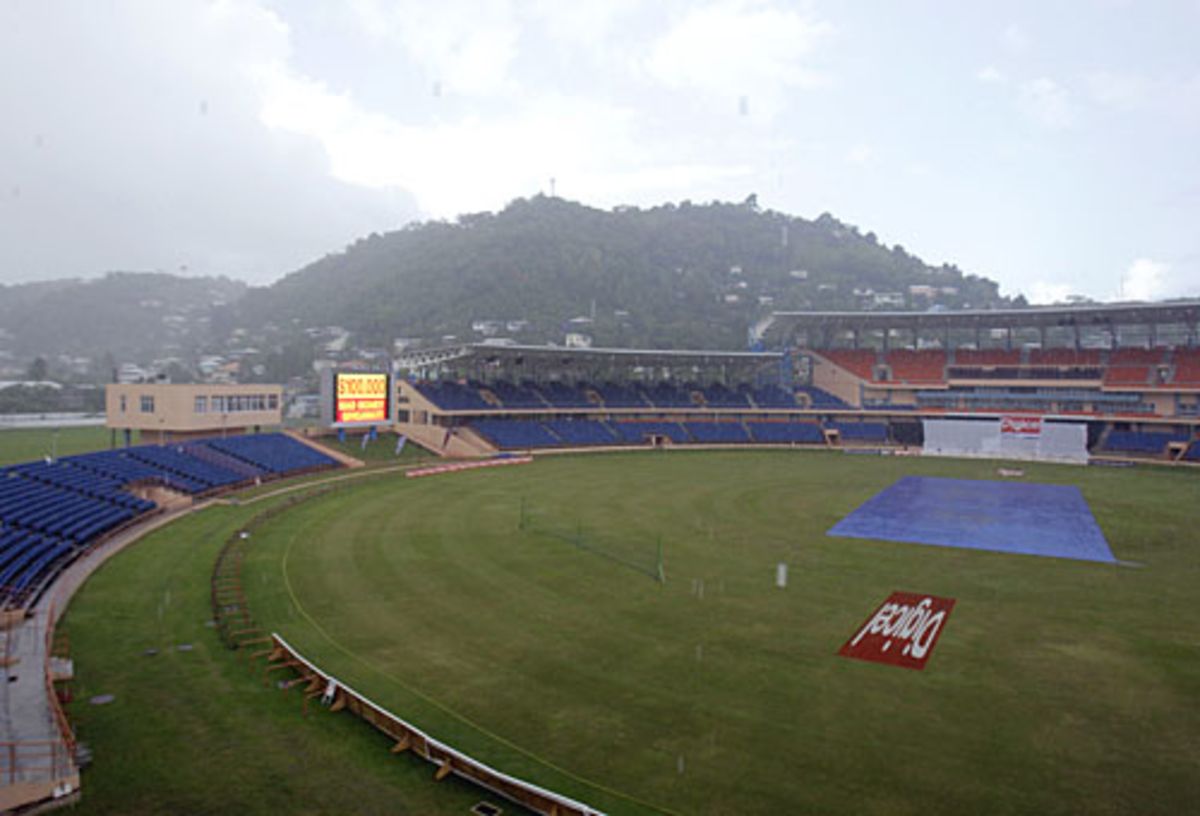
(1052, 146)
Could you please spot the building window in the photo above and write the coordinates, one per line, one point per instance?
(123, 403)
(201, 405)
(272, 402)
(147, 404)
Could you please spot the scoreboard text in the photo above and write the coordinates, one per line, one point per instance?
(360, 398)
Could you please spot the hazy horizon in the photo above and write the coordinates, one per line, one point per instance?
(1051, 149)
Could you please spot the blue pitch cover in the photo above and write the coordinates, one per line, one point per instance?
(1029, 519)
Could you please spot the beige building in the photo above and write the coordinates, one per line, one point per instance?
(166, 411)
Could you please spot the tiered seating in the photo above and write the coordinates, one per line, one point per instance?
(272, 452)
(1132, 366)
(579, 432)
(717, 432)
(516, 396)
(861, 431)
(561, 395)
(452, 396)
(719, 396)
(63, 474)
(635, 432)
(920, 366)
(1148, 442)
(119, 466)
(786, 432)
(987, 357)
(859, 362)
(516, 433)
(178, 463)
(822, 398)
(223, 460)
(774, 396)
(1187, 367)
(621, 396)
(1192, 454)
(28, 559)
(1064, 357)
(31, 505)
(666, 395)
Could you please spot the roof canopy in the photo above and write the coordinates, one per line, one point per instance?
(818, 326)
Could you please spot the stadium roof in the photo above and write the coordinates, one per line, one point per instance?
(562, 354)
(1106, 316)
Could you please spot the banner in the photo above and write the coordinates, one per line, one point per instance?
(902, 631)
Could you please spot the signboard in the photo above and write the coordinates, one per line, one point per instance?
(361, 398)
(1021, 425)
(902, 631)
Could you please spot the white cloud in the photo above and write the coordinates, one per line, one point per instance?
(736, 48)
(476, 163)
(990, 74)
(467, 46)
(1047, 103)
(1042, 293)
(1175, 96)
(860, 154)
(1014, 39)
(133, 128)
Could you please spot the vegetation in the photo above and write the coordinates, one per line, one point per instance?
(657, 277)
(129, 315)
(30, 444)
(197, 731)
(1057, 687)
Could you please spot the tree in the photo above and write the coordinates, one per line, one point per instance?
(37, 370)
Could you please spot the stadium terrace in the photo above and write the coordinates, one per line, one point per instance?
(1129, 375)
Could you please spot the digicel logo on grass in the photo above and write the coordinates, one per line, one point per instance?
(902, 631)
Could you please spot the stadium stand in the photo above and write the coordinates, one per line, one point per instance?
(859, 362)
(516, 396)
(987, 357)
(273, 453)
(774, 396)
(561, 395)
(1186, 370)
(923, 366)
(720, 396)
(768, 432)
(635, 432)
(822, 399)
(452, 396)
(516, 433)
(1065, 357)
(667, 395)
(861, 431)
(717, 432)
(52, 511)
(1146, 442)
(582, 432)
(614, 395)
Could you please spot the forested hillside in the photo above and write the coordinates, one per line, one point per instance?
(673, 276)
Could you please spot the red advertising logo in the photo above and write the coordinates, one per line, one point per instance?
(1021, 425)
(902, 631)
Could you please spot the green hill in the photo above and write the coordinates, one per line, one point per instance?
(672, 276)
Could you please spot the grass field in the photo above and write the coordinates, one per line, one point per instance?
(29, 444)
(194, 731)
(1056, 687)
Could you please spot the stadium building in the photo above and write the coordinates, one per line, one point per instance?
(1128, 376)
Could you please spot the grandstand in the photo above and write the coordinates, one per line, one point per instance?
(53, 511)
(844, 378)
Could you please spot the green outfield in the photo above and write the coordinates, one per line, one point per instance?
(1056, 687)
(30, 444)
